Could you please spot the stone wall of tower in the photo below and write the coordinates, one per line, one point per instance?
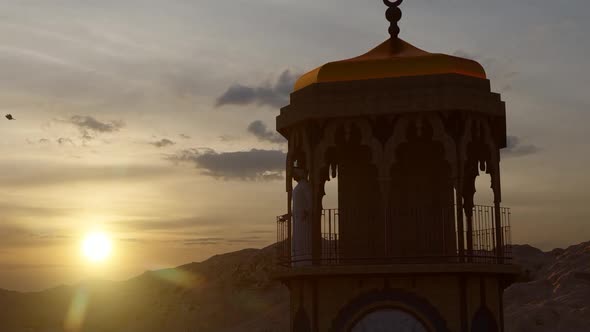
(444, 303)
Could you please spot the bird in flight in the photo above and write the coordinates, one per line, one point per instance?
(9, 117)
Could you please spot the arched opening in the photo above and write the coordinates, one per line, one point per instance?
(330, 219)
(482, 241)
(421, 218)
(484, 195)
(387, 320)
(483, 235)
(357, 313)
(352, 189)
(330, 200)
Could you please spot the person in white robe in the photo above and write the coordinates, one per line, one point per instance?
(302, 205)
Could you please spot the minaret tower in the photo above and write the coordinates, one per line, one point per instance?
(405, 133)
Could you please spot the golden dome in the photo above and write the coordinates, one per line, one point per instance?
(388, 60)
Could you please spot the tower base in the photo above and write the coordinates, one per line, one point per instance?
(429, 298)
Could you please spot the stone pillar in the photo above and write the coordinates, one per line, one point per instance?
(498, 213)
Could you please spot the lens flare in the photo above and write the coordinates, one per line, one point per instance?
(76, 314)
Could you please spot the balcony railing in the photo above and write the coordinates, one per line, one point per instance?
(404, 236)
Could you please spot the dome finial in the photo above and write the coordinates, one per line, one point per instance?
(393, 15)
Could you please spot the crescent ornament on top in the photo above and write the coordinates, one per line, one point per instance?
(389, 3)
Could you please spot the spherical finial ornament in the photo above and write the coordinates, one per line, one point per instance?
(393, 15)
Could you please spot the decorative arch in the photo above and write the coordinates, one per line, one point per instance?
(329, 139)
(478, 152)
(400, 136)
(386, 319)
(423, 159)
(398, 299)
(350, 149)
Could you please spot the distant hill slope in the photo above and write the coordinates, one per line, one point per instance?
(231, 292)
(557, 296)
(234, 293)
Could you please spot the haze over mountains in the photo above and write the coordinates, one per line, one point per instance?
(235, 292)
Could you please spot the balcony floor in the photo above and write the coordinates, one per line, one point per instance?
(396, 269)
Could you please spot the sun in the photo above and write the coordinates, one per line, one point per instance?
(96, 247)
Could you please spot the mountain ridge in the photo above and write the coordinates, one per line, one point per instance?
(235, 292)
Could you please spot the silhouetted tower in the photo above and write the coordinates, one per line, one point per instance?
(405, 133)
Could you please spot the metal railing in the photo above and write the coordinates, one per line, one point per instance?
(399, 236)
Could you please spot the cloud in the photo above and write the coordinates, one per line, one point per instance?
(246, 239)
(218, 240)
(275, 95)
(499, 70)
(50, 174)
(203, 241)
(259, 231)
(515, 148)
(485, 61)
(64, 141)
(162, 143)
(90, 127)
(185, 136)
(17, 236)
(132, 240)
(263, 165)
(161, 224)
(259, 129)
(17, 267)
(90, 123)
(228, 138)
(32, 209)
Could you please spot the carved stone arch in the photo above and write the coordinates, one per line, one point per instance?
(488, 139)
(368, 139)
(298, 143)
(316, 161)
(472, 126)
(492, 163)
(441, 135)
(389, 298)
(465, 140)
(306, 144)
(462, 156)
(388, 155)
(400, 136)
(476, 131)
(422, 168)
(329, 140)
(319, 152)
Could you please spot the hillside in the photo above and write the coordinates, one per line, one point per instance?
(234, 292)
(230, 292)
(555, 296)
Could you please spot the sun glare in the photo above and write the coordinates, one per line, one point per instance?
(96, 247)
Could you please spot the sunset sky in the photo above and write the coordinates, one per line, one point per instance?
(153, 121)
